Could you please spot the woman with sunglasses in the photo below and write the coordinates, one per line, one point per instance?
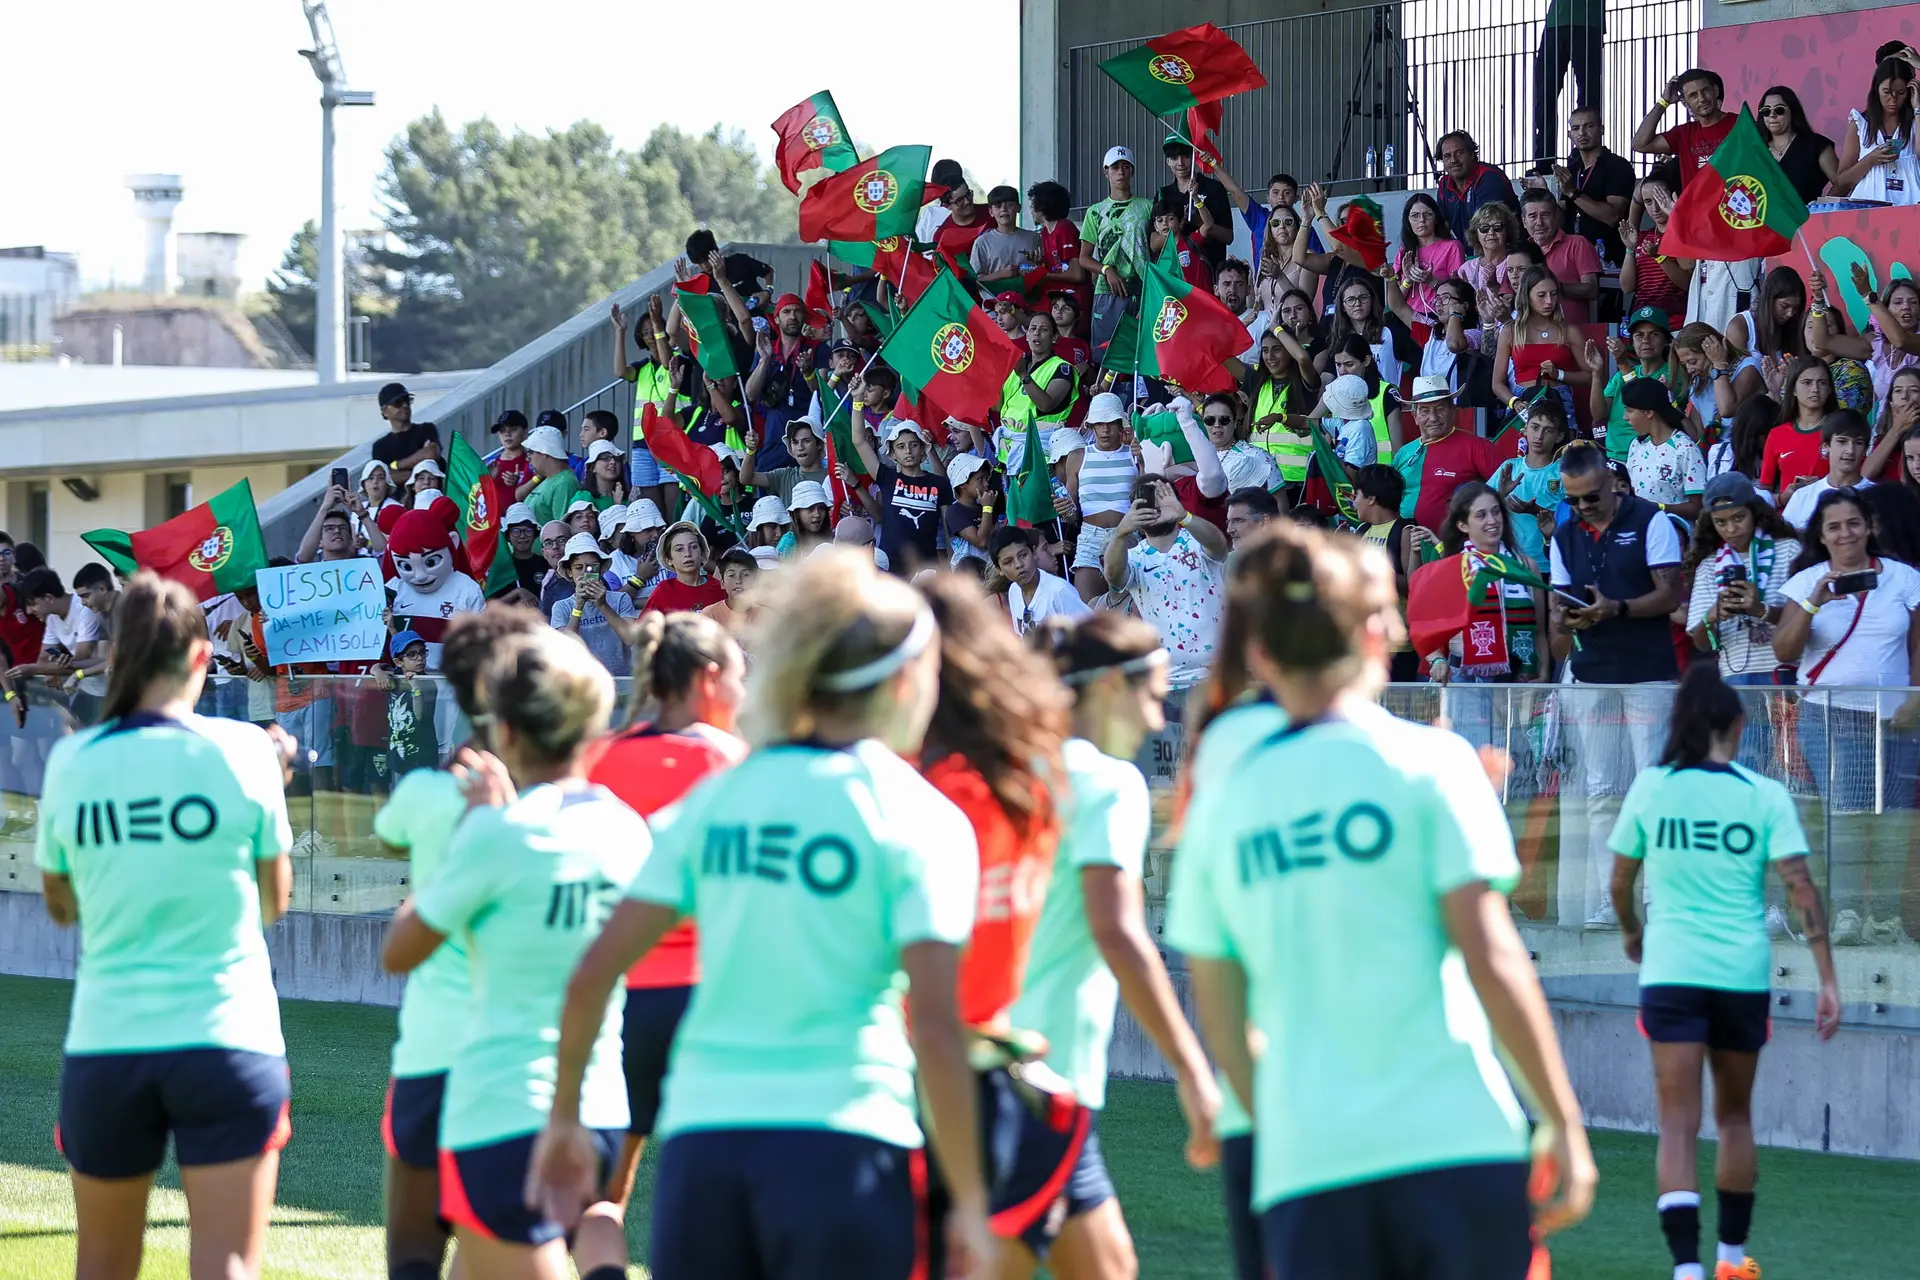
(1807, 158)
(1244, 463)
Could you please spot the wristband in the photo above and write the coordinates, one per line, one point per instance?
(578, 611)
(11, 695)
(1662, 103)
(986, 510)
(1808, 605)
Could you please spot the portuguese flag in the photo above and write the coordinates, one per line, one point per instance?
(1185, 332)
(693, 465)
(1184, 68)
(949, 350)
(211, 549)
(1030, 493)
(1441, 594)
(483, 499)
(700, 309)
(812, 137)
(1362, 231)
(1739, 205)
(873, 200)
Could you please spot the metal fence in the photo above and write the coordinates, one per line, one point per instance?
(1388, 78)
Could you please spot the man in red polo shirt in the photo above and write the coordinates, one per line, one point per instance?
(1575, 263)
(1694, 142)
(1442, 458)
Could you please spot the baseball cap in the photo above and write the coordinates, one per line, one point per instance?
(1064, 295)
(548, 441)
(404, 641)
(1651, 395)
(1106, 407)
(582, 544)
(1003, 194)
(519, 513)
(600, 449)
(959, 471)
(611, 519)
(1728, 489)
(509, 418)
(769, 510)
(394, 393)
(1116, 155)
(644, 514)
(1013, 298)
(809, 493)
(946, 173)
(551, 418)
(843, 345)
(1176, 145)
(1648, 315)
(1430, 390)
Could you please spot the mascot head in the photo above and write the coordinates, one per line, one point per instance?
(422, 550)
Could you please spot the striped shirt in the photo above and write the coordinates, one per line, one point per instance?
(1106, 480)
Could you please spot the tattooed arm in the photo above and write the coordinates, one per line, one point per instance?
(1805, 898)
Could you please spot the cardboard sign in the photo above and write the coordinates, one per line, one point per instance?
(328, 611)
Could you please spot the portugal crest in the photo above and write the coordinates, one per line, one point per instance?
(479, 515)
(820, 134)
(212, 551)
(1173, 313)
(1743, 203)
(878, 192)
(953, 348)
(1170, 68)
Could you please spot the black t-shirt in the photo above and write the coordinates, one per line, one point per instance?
(529, 573)
(911, 507)
(1801, 164)
(1611, 175)
(396, 445)
(1213, 194)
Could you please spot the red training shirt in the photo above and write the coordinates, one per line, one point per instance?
(1693, 144)
(675, 596)
(649, 769)
(1791, 453)
(958, 240)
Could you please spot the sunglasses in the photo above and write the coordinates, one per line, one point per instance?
(1218, 420)
(1585, 499)
(1773, 111)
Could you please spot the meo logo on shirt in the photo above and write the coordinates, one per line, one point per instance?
(775, 852)
(1704, 835)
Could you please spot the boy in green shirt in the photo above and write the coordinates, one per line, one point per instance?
(557, 487)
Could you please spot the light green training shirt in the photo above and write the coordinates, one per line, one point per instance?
(1069, 995)
(159, 823)
(1707, 835)
(1378, 1060)
(420, 817)
(810, 870)
(1230, 735)
(527, 888)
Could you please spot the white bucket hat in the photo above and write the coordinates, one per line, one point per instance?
(768, 510)
(582, 504)
(600, 449)
(372, 466)
(1346, 397)
(582, 544)
(520, 513)
(1106, 407)
(961, 469)
(1063, 442)
(429, 467)
(645, 514)
(610, 521)
(547, 440)
(809, 493)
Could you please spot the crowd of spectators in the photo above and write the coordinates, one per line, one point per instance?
(1705, 461)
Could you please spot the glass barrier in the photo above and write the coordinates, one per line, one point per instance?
(1573, 751)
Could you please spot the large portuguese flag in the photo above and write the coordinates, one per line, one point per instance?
(1738, 206)
(706, 326)
(211, 549)
(483, 499)
(1183, 68)
(1185, 332)
(812, 137)
(949, 350)
(873, 200)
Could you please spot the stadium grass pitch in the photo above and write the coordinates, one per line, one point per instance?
(1818, 1215)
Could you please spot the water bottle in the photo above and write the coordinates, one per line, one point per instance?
(1373, 163)
(1389, 159)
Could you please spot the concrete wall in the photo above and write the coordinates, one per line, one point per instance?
(196, 335)
(1821, 49)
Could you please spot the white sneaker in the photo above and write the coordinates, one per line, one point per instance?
(1847, 931)
(1603, 919)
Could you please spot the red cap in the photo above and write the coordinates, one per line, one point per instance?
(788, 300)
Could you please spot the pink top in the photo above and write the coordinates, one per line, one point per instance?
(1443, 258)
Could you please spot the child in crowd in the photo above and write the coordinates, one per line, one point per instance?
(1530, 484)
(1099, 478)
(411, 742)
(1349, 422)
(738, 570)
(1846, 434)
(683, 549)
(906, 500)
(969, 517)
(510, 463)
(1168, 218)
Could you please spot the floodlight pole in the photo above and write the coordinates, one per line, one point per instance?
(329, 327)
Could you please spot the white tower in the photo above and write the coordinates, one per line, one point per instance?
(155, 197)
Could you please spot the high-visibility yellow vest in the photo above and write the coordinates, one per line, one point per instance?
(1017, 406)
(1290, 449)
(1382, 437)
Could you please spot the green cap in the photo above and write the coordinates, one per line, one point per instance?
(1648, 315)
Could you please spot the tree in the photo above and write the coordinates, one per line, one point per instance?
(500, 237)
(292, 286)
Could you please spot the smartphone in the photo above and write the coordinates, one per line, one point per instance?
(1851, 583)
(1573, 600)
(1733, 573)
(341, 480)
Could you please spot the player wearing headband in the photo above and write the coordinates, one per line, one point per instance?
(1389, 1143)
(829, 880)
(1092, 948)
(164, 836)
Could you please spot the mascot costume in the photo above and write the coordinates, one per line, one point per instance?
(430, 587)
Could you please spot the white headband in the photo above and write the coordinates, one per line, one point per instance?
(1131, 667)
(868, 674)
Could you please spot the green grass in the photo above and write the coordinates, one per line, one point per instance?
(1818, 1215)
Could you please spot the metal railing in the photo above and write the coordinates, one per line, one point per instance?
(1386, 77)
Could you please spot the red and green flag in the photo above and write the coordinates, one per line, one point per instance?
(1327, 480)
(483, 499)
(1030, 491)
(873, 200)
(1185, 333)
(1361, 230)
(1162, 428)
(694, 466)
(1204, 121)
(951, 351)
(211, 549)
(1184, 68)
(819, 299)
(1123, 348)
(882, 258)
(1739, 205)
(812, 138)
(1443, 594)
(701, 310)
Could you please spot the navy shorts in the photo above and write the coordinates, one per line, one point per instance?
(1463, 1222)
(1735, 1021)
(646, 1039)
(1034, 1145)
(220, 1105)
(785, 1204)
(1236, 1189)
(484, 1189)
(411, 1124)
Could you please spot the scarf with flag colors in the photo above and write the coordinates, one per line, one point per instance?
(950, 350)
(1184, 68)
(1739, 205)
(812, 139)
(871, 200)
(1462, 595)
(210, 549)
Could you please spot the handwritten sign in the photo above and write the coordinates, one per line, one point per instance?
(328, 611)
